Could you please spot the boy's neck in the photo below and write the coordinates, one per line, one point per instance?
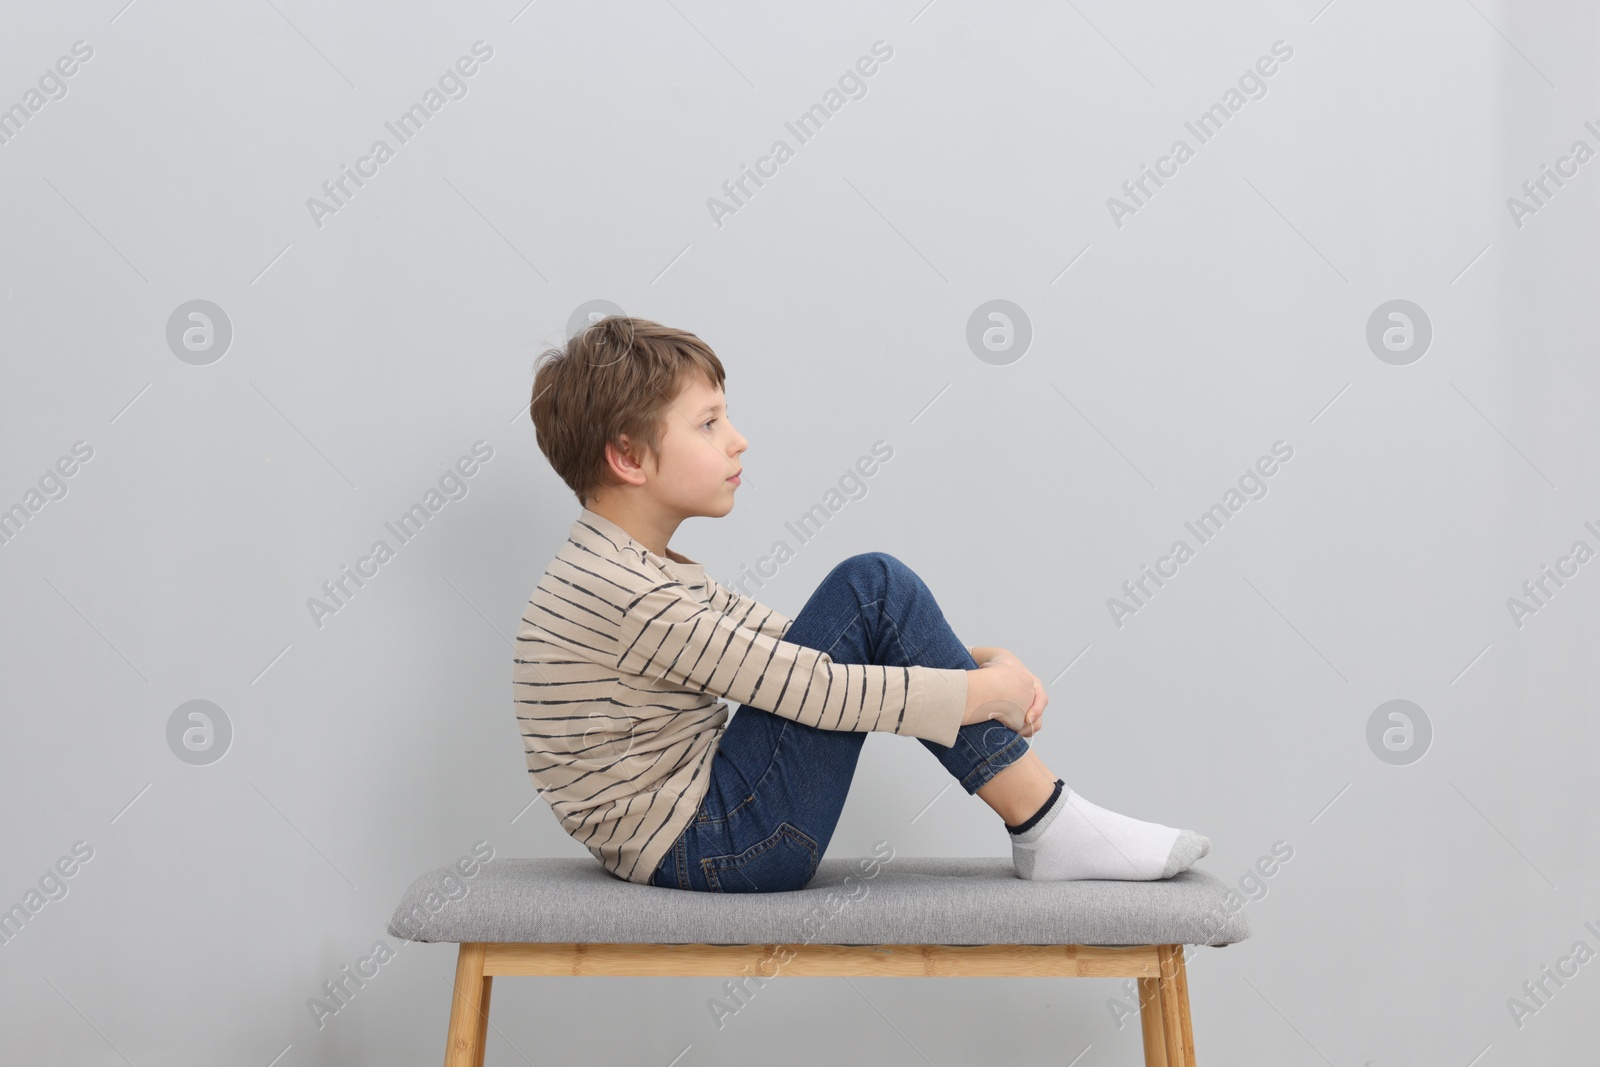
(653, 532)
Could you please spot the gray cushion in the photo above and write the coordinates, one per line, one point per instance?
(906, 900)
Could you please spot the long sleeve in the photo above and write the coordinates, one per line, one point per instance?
(748, 613)
(666, 634)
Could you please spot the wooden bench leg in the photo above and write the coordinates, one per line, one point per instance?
(469, 1009)
(483, 1021)
(1150, 1021)
(1174, 982)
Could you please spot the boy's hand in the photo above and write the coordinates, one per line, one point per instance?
(1005, 691)
(1034, 717)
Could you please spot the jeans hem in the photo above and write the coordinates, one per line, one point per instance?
(980, 775)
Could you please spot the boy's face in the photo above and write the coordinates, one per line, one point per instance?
(699, 453)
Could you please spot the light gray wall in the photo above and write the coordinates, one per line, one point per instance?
(1169, 352)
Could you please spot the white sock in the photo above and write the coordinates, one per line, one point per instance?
(1074, 839)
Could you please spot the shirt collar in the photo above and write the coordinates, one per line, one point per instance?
(623, 538)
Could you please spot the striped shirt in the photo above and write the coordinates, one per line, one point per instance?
(621, 658)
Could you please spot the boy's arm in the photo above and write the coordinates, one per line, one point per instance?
(746, 611)
(665, 634)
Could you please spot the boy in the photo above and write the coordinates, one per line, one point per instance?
(626, 646)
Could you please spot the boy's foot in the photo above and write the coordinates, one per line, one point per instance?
(1070, 838)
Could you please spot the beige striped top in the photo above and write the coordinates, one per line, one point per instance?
(621, 658)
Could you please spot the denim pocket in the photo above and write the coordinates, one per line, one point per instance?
(785, 861)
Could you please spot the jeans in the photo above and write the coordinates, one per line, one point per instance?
(777, 786)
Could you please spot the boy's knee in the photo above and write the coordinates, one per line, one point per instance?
(867, 566)
(875, 559)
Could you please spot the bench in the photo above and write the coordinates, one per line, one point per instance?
(900, 917)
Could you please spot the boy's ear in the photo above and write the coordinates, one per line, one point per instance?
(624, 460)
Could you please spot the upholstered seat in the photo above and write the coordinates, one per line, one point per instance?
(956, 901)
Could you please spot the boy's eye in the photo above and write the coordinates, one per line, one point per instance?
(708, 423)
